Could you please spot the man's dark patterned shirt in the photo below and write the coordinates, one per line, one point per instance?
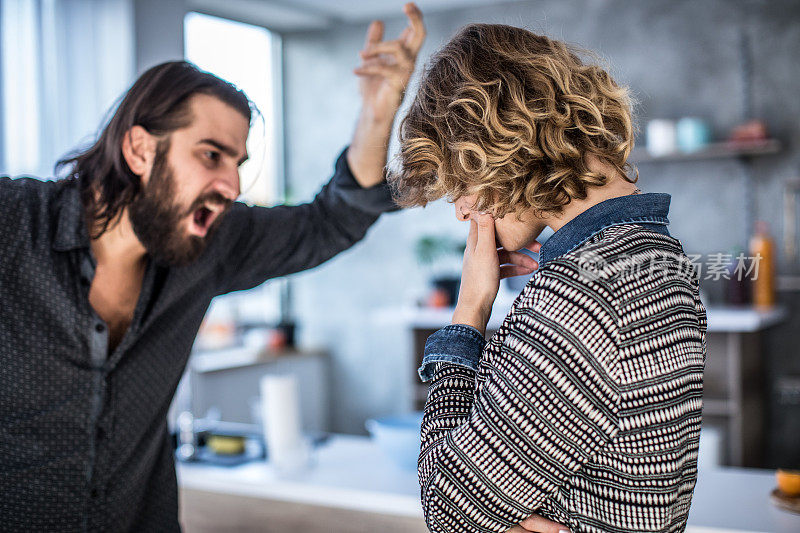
(84, 444)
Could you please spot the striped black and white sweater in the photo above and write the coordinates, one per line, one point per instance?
(586, 404)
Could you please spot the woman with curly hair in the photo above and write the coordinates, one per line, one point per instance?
(584, 408)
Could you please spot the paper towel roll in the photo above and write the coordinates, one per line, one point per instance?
(280, 409)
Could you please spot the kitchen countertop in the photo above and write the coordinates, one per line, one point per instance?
(350, 472)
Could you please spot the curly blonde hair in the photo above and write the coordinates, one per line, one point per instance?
(511, 116)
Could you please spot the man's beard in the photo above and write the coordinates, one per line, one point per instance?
(157, 220)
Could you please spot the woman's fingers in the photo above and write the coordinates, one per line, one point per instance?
(535, 247)
(516, 258)
(486, 242)
(472, 237)
(508, 271)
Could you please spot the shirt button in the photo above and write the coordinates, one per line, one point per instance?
(100, 328)
(94, 493)
(101, 433)
(85, 281)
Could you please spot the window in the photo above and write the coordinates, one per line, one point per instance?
(63, 65)
(248, 57)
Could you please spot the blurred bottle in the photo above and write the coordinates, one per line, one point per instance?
(761, 244)
(738, 290)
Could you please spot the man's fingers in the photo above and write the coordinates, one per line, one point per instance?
(516, 258)
(391, 48)
(413, 41)
(374, 33)
(392, 74)
(405, 34)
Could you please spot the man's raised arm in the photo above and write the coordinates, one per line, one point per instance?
(264, 243)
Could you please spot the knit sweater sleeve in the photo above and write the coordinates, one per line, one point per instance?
(492, 454)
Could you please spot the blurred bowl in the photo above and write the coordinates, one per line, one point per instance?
(398, 437)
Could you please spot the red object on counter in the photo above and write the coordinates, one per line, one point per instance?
(751, 131)
(438, 298)
(277, 340)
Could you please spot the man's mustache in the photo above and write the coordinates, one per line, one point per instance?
(213, 199)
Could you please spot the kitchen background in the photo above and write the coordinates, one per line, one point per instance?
(723, 61)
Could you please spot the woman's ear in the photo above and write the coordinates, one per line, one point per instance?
(138, 149)
(463, 207)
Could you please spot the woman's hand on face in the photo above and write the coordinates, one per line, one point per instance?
(484, 266)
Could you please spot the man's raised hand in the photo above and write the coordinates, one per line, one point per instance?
(387, 66)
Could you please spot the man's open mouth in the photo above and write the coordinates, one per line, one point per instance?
(203, 217)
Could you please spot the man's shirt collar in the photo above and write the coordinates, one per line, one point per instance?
(645, 208)
(71, 231)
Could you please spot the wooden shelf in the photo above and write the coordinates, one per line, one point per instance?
(712, 151)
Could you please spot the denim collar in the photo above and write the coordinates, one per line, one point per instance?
(647, 208)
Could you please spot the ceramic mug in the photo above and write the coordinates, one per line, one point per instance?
(693, 134)
(661, 137)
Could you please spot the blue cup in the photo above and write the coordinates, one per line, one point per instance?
(398, 437)
(693, 134)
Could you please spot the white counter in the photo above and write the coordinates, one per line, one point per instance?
(351, 473)
(743, 319)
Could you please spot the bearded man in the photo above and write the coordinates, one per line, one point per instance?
(105, 277)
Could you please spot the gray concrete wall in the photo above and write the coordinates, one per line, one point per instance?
(159, 31)
(679, 57)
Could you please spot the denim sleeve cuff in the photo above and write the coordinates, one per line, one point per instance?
(374, 200)
(457, 344)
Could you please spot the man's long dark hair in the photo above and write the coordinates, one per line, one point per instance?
(158, 102)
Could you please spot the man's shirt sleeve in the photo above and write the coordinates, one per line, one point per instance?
(268, 242)
(492, 454)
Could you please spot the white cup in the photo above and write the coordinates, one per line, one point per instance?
(661, 137)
